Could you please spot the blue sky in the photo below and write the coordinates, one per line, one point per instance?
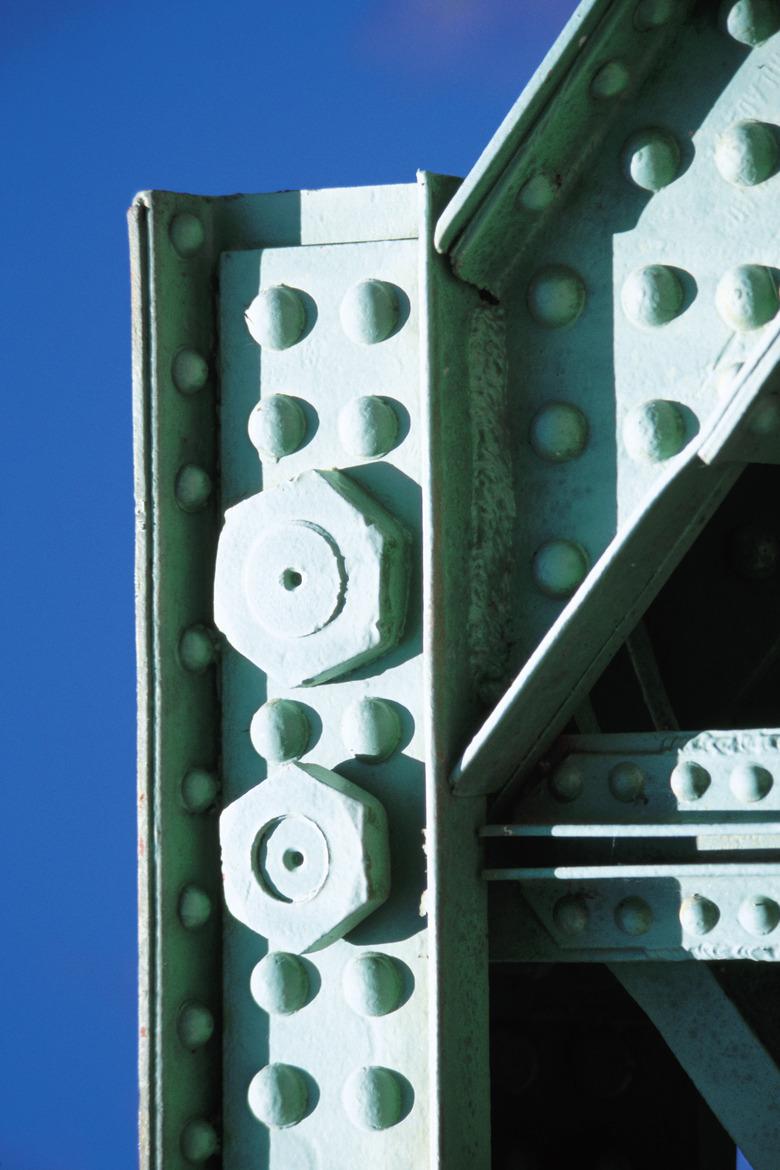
(102, 99)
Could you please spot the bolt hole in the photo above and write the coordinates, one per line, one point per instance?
(292, 859)
(291, 579)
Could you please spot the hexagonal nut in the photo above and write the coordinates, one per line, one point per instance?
(305, 857)
(312, 578)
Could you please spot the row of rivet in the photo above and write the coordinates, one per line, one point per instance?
(370, 312)
(368, 426)
(370, 730)
(372, 1096)
(749, 783)
(758, 915)
(372, 984)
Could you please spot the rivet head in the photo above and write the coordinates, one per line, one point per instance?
(746, 297)
(652, 296)
(280, 984)
(556, 296)
(189, 371)
(633, 916)
(652, 159)
(199, 789)
(372, 1098)
(193, 488)
(198, 1141)
(197, 649)
(759, 914)
(369, 311)
(280, 730)
(571, 915)
(276, 317)
(559, 432)
(655, 13)
(372, 985)
(278, 1096)
(537, 193)
(302, 580)
(626, 782)
(611, 80)
(654, 431)
(567, 781)
(277, 426)
(368, 426)
(195, 1025)
(371, 729)
(689, 781)
(559, 568)
(698, 915)
(194, 907)
(186, 234)
(746, 153)
(751, 21)
(750, 782)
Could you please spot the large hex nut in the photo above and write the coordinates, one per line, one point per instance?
(305, 857)
(312, 578)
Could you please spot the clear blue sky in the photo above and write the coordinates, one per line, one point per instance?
(100, 99)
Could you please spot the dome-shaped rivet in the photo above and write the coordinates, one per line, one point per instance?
(195, 1025)
(611, 80)
(277, 426)
(186, 234)
(369, 311)
(746, 153)
(280, 983)
(371, 729)
(559, 432)
(655, 13)
(189, 371)
(571, 915)
(537, 193)
(759, 914)
(559, 567)
(746, 297)
(626, 782)
(689, 780)
(750, 783)
(197, 649)
(368, 426)
(567, 781)
(751, 21)
(278, 1096)
(372, 1098)
(633, 916)
(198, 1141)
(276, 317)
(199, 789)
(698, 915)
(372, 985)
(556, 296)
(654, 431)
(193, 488)
(280, 730)
(194, 907)
(652, 159)
(652, 296)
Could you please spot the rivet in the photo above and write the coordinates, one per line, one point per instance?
(655, 13)
(280, 984)
(277, 426)
(198, 1141)
(633, 916)
(571, 915)
(193, 488)
(276, 317)
(746, 153)
(195, 1025)
(280, 730)
(567, 781)
(371, 729)
(652, 158)
(369, 311)
(372, 1098)
(199, 789)
(368, 426)
(189, 371)
(652, 296)
(559, 432)
(559, 567)
(654, 431)
(750, 783)
(194, 907)
(626, 782)
(698, 915)
(372, 985)
(278, 1096)
(754, 551)
(197, 649)
(556, 296)
(689, 781)
(537, 193)
(759, 914)
(186, 234)
(751, 21)
(610, 81)
(746, 297)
